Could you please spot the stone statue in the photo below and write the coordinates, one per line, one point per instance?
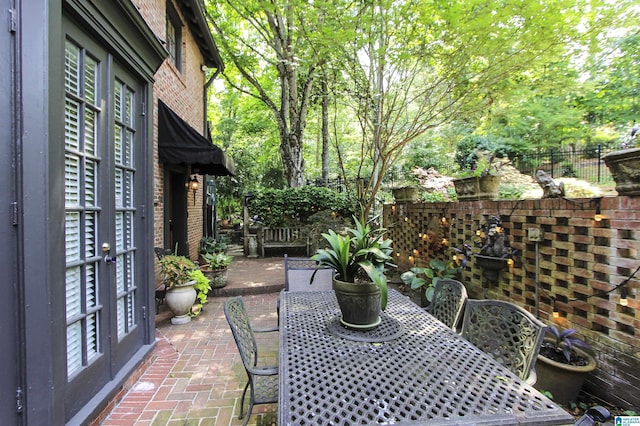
(550, 188)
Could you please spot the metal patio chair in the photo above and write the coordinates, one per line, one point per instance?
(298, 272)
(506, 332)
(262, 380)
(161, 290)
(297, 276)
(449, 297)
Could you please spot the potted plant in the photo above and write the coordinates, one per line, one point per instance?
(216, 267)
(480, 180)
(177, 273)
(563, 364)
(426, 278)
(359, 258)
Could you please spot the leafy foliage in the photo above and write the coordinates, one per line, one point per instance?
(565, 341)
(176, 269)
(202, 286)
(217, 260)
(278, 207)
(436, 271)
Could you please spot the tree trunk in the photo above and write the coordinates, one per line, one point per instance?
(291, 149)
(325, 131)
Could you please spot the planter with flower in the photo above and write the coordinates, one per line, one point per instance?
(563, 364)
(480, 180)
(179, 276)
(360, 258)
(216, 267)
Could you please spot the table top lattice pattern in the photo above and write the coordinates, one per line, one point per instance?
(427, 373)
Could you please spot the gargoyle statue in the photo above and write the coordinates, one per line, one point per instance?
(550, 188)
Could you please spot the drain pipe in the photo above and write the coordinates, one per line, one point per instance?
(205, 103)
(536, 235)
(537, 279)
(205, 97)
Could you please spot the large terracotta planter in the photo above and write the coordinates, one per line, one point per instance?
(564, 381)
(625, 169)
(477, 187)
(359, 303)
(180, 299)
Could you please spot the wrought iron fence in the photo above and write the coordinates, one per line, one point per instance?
(585, 164)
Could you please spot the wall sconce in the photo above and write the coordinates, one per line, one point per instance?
(598, 216)
(555, 313)
(623, 296)
(193, 186)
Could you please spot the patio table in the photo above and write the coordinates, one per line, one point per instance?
(410, 370)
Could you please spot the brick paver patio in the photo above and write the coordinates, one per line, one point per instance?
(196, 375)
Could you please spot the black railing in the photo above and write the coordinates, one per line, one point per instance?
(585, 164)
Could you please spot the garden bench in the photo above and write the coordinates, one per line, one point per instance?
(283, 238)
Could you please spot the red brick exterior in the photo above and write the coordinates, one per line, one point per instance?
(183, 93)
(581, 261)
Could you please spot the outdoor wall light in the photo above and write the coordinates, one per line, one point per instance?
(193, 186)
(598, 216)
(623, 296)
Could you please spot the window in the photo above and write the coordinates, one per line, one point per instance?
(174, 36)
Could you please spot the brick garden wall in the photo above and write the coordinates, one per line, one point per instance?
(581, 261)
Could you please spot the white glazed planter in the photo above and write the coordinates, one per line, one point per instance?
(180, 299)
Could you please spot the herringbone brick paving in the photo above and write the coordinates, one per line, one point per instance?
(196, 376)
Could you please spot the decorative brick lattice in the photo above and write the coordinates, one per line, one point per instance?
(576, 267)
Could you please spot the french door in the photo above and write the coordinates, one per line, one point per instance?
(104, 181)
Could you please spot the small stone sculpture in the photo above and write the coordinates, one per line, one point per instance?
(550, 188)
(493, 239)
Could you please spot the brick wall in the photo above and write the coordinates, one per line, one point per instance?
(581, 261)
(182, 91)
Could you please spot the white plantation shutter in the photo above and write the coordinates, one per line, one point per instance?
(124, 176)
(82, 205)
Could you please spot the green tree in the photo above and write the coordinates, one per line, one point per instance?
(277, 49)
(416, 66)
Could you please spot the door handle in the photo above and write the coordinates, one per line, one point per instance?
(108, 259)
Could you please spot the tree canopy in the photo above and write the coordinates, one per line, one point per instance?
(529, 73)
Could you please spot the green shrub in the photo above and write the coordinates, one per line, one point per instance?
(292, 206)
(510, 192)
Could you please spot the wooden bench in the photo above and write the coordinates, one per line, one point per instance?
(282, 238)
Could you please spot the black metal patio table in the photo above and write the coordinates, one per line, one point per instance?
(410, 370)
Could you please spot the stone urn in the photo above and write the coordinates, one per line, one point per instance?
(217, 277)
(405, 194)
(477, 187)
(180, 298)
(625, 169)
